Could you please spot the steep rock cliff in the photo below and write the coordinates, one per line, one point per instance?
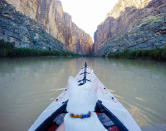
(24, 31)
(132, 24)
(49, 14)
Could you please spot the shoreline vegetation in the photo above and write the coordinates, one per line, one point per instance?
(7, 49)
(154, 54)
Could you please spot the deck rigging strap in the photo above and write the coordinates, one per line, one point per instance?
(84, 80)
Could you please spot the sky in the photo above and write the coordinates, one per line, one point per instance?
(88, 14)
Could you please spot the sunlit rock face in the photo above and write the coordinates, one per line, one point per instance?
(49, 13)
(24, 31)
(121, 28)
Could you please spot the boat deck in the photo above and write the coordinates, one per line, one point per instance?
(109, 121)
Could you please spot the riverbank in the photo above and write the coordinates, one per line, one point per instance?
(7, 49)
(155, 54)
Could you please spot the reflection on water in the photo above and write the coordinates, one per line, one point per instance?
(28, 85)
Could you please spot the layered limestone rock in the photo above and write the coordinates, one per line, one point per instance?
(49, 14)
(24, 31)
(129, 23)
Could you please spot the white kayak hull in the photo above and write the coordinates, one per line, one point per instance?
(105, 97)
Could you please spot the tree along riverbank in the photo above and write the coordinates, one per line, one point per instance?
(7, 49)
(156, 54)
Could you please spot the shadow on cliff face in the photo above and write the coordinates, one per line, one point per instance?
(29, 32)
(128, 20)
(24, 31)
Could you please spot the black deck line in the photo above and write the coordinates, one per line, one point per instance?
(84, 72)
(84, 80)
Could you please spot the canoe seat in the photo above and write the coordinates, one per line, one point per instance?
(105, 120)
(113, 128)
(57, 122)
(53, 128)
(59, 119)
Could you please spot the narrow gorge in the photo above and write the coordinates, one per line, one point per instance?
(41, 24)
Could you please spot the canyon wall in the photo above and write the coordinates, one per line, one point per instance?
(132, 24)
(23, 31)
(50, 16)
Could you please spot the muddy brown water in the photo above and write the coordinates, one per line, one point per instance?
(28, 85)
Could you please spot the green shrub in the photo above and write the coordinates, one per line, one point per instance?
(138, 53)
(33, 52)
(7, 50)
(163, 54)
(157, 54)
(6, 45)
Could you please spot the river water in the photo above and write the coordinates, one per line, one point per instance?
(28, 85)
